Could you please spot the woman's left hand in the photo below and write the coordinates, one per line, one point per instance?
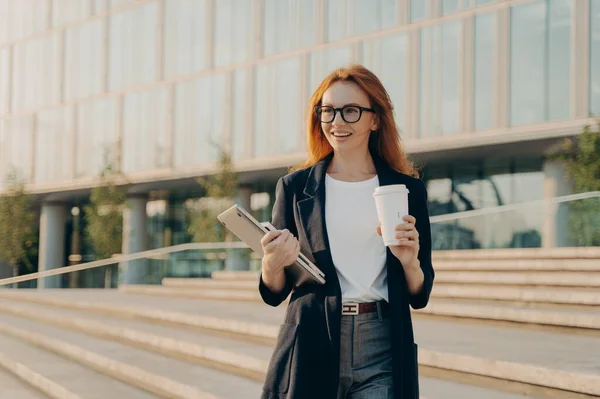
(408, 249)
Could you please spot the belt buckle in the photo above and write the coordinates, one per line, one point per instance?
(349, 309)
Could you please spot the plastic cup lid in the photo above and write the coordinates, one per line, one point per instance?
(394, 188)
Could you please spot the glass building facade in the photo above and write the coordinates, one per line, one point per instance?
(152, 84)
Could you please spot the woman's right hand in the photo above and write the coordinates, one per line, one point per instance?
(281, 249)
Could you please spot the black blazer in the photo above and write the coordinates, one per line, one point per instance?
(305, 362)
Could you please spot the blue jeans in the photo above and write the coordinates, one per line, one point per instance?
(366, 357)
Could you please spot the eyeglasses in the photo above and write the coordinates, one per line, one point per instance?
(350, 113)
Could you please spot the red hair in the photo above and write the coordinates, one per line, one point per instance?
(385, 142)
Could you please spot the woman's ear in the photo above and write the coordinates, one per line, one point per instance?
(375, 124)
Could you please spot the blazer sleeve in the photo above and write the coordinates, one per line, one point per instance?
(282, 218)
(421, 214)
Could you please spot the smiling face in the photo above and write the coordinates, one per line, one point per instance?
(343, 136)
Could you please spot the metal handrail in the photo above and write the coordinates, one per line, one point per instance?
(512, 207)
(241, 245)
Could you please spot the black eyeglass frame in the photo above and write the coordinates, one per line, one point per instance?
(341, 111)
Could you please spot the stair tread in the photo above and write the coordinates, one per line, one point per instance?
(213, 381)
(541, 346)
(434, 388)
(192, 336)
(557, 350)
(14, 388)
(76, 378)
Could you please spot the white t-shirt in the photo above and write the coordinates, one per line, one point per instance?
(357, 250)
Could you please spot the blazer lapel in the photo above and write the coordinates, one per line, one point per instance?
(312, 213)
(312, 216)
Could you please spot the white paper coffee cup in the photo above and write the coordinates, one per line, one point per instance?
(392, 205)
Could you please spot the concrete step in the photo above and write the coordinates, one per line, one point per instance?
(520, 267)
(547, 358)
(520, 253)
(517, 278)
(81, 381)
(513, 286)
(454, 361)
(173, 375)
(216, 351)
(527, 278)
(436, 388)
(504, 265)
(570, 296)
(204, 293)
(12, 387)
(210, 283)
(505, 307)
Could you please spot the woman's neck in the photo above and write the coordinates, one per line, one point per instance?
(352, 167)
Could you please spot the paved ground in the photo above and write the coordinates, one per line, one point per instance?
(13, 388)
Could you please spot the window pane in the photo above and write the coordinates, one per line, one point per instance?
(278, 109)
(387, 58)
(201, 107)
(449, 6)
(83, 60)
(308, 19)
(527, 63)
(4, 80)
(118, 3)
(323, 62)
(132, 46)
(559, 58)
(65, 11)
(97, 135)
(540, 60)
(16, 147)
(263, 102)
(185, 37)
(484, 66)
(595, 57)
(54, 145)
(99, 6)
(439, 62)
(336, 19)
(5, 36)
(289, 104)
(22, 18)
(145, 130)
(233, 32)
(450, 78)
(367, 16)
(418, 10)
(36, 73)
(426, 55)
(241, 112)
(279, 26)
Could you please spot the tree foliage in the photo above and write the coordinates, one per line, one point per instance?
(220, 190)
(18, 240)
(104, 215)
(581, 160)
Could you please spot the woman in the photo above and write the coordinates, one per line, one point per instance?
(324, 348)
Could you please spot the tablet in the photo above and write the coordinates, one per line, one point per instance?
(250, 231)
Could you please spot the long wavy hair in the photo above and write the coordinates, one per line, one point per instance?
(384, 142)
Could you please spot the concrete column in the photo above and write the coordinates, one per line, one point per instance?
(236, 259)
(52, 242)
(134, 240)
(555, 216)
